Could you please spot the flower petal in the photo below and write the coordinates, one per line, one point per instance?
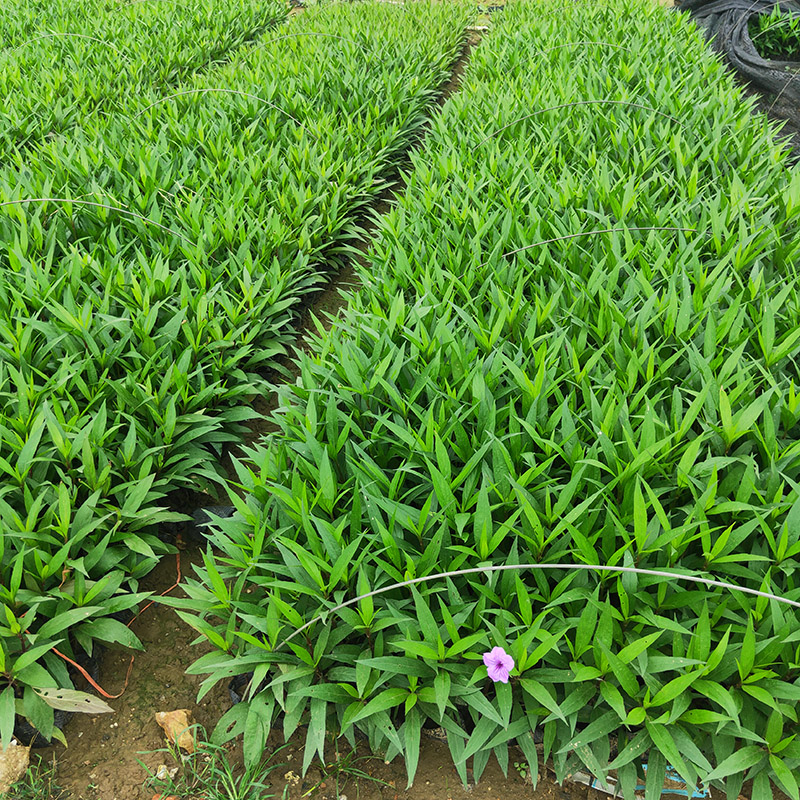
(498, 673)
(498, 664)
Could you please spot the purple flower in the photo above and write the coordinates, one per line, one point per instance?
(498, 664)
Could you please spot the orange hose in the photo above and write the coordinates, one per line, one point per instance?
(166, 591)
(130, 665)
(91, 680)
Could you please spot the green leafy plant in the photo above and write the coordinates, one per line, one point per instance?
(39, 782)
(776, 35)
(576, 344)
(40, 642)
(209, 773)
(152, 270)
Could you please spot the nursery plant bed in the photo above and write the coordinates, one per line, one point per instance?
(526, 379)
(324, 305)
(256, 200)
(103, 759)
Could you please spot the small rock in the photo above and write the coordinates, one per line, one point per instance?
(13, 763)
(292, 778)
(177, 726)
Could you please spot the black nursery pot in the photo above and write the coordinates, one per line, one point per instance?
(195, 530)
(238, 686)
(26, 734)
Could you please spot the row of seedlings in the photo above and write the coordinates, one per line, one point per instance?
(58, 66)
(137, 318)
(576, 346)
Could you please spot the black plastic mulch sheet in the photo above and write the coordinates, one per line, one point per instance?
(726, 21)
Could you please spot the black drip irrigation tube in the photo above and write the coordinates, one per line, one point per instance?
(726, 24)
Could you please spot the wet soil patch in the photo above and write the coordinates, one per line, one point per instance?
(436, 778)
